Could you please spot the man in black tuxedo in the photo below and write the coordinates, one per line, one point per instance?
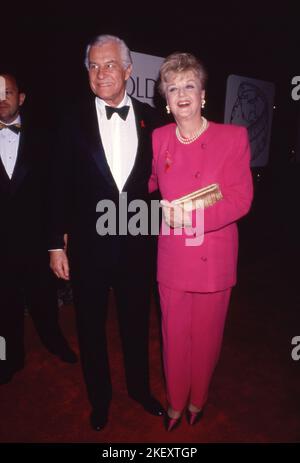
(25, 277)
(102, 155)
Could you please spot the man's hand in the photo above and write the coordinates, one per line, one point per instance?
(59, 264)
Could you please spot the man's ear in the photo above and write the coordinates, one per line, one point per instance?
(22, 97)
(128, 72)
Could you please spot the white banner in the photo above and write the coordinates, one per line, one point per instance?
(2, 89)
(144, 75)
(250, 103)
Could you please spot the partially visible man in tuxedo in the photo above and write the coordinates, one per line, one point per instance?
(25, 277)
(105, 150)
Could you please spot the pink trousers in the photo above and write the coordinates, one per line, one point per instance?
(192, 328)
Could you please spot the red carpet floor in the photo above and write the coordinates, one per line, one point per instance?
(254, 395)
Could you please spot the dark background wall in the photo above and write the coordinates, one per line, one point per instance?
(46, 47)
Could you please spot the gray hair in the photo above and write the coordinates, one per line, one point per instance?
(181, 62)
(105, 38)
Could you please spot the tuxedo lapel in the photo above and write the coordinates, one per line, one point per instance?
(95, 146)
(4, 178)
(142, 133)
(140, 124)
(22, 164)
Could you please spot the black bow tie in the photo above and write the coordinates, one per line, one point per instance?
(13, 127)
(121, 111)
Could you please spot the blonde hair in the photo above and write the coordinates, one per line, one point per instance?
(181, 62)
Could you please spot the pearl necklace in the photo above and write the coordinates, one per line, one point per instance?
(186, 141)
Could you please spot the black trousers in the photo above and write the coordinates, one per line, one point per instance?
(132, 289)
(27, 283)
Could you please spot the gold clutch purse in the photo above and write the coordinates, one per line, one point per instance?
(209, 195)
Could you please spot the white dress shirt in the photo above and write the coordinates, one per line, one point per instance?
(9, 144)
(119, 139)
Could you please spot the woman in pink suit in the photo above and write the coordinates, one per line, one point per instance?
(197, 257)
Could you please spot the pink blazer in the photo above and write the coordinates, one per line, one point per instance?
(220, 155)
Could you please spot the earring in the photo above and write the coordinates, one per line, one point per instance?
(203, 104)
(168, 109)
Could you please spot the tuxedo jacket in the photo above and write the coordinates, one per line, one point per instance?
(81, 178)
(23, 199)
(220, 155)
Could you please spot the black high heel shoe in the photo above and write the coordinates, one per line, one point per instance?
(171, 423)
(193, 417)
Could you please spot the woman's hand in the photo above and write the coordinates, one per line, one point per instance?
(175, 216)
